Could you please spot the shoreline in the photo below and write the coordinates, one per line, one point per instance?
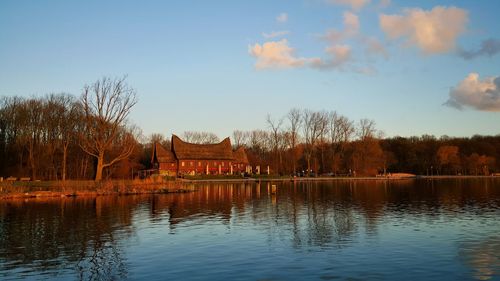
(43, 189)
(303, 179)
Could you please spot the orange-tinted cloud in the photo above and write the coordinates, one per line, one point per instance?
(351, 29)
(433, 31)
(276, 54)
(479, 94)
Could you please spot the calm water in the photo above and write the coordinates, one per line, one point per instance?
(400, 230)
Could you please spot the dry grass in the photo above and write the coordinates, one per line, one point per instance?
(74, 187)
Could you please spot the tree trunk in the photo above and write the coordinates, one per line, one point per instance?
(32, 162)
(65, 156)
(100, 167)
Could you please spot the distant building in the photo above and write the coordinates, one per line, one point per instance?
(190, 158)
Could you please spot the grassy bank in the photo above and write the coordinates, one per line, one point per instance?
(27, 189)
(20, 189)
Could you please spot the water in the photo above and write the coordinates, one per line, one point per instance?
(341, 230)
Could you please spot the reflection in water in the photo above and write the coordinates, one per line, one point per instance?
(95, 238)
(482, 256)
(50, 235)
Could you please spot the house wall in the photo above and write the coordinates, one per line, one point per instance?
(200, 167)
(169, 169)
(187, 166)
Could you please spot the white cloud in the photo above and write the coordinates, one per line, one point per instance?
(274, 34)
(433, 31)
(354, 4)
(339, 56)
(351, 28)
(283, 17)
(276, 54)
(351, 23)
(479, 94)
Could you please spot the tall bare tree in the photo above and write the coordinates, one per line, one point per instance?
(314, 126)
(106, 105)
(68, 113)
(239, 138)
(341, 130)
(276, 136)
(200, 137)
(294, 119)
(366, 129)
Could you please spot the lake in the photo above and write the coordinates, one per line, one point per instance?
(446, 229)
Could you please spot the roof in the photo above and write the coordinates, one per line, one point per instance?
(216, 151)
(240, 155)
(162, 155)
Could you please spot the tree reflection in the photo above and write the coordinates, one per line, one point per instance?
(54, 234)
(88, 234)
(483, 257)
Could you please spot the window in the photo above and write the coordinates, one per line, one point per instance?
(191, 163)
(222, 164)
(182, 164)
(199, 164)
(215, 163)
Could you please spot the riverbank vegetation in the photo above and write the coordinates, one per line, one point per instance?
(61, 137)
(11, 189)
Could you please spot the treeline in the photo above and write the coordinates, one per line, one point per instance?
(59, 136)
(325, 142)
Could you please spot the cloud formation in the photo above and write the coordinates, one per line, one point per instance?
(434, 31)
(478, 94)
(354, 4)
(283, 17)
(276, 54)
(351, 28)
(489, 48)
(373, 47)
(339, 55)
(274, 34)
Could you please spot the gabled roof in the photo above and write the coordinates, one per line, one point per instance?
(217, 151)
(240, 155)
(162, 155)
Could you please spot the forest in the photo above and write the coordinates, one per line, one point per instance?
(60, 137)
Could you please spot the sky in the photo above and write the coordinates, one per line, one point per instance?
(414, 67)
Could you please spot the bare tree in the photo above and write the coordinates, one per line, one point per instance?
(239, 138)
(32, 127)
(367, 156)
(341, 130)
(294, 119)
(276, 136)
(315, 124)
(366, 129)
(156, 138)
(106, 105)
(200, 137)
(64, 114)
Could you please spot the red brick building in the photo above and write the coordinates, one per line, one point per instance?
(190, 158)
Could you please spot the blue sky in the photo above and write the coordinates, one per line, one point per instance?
(223, 65)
